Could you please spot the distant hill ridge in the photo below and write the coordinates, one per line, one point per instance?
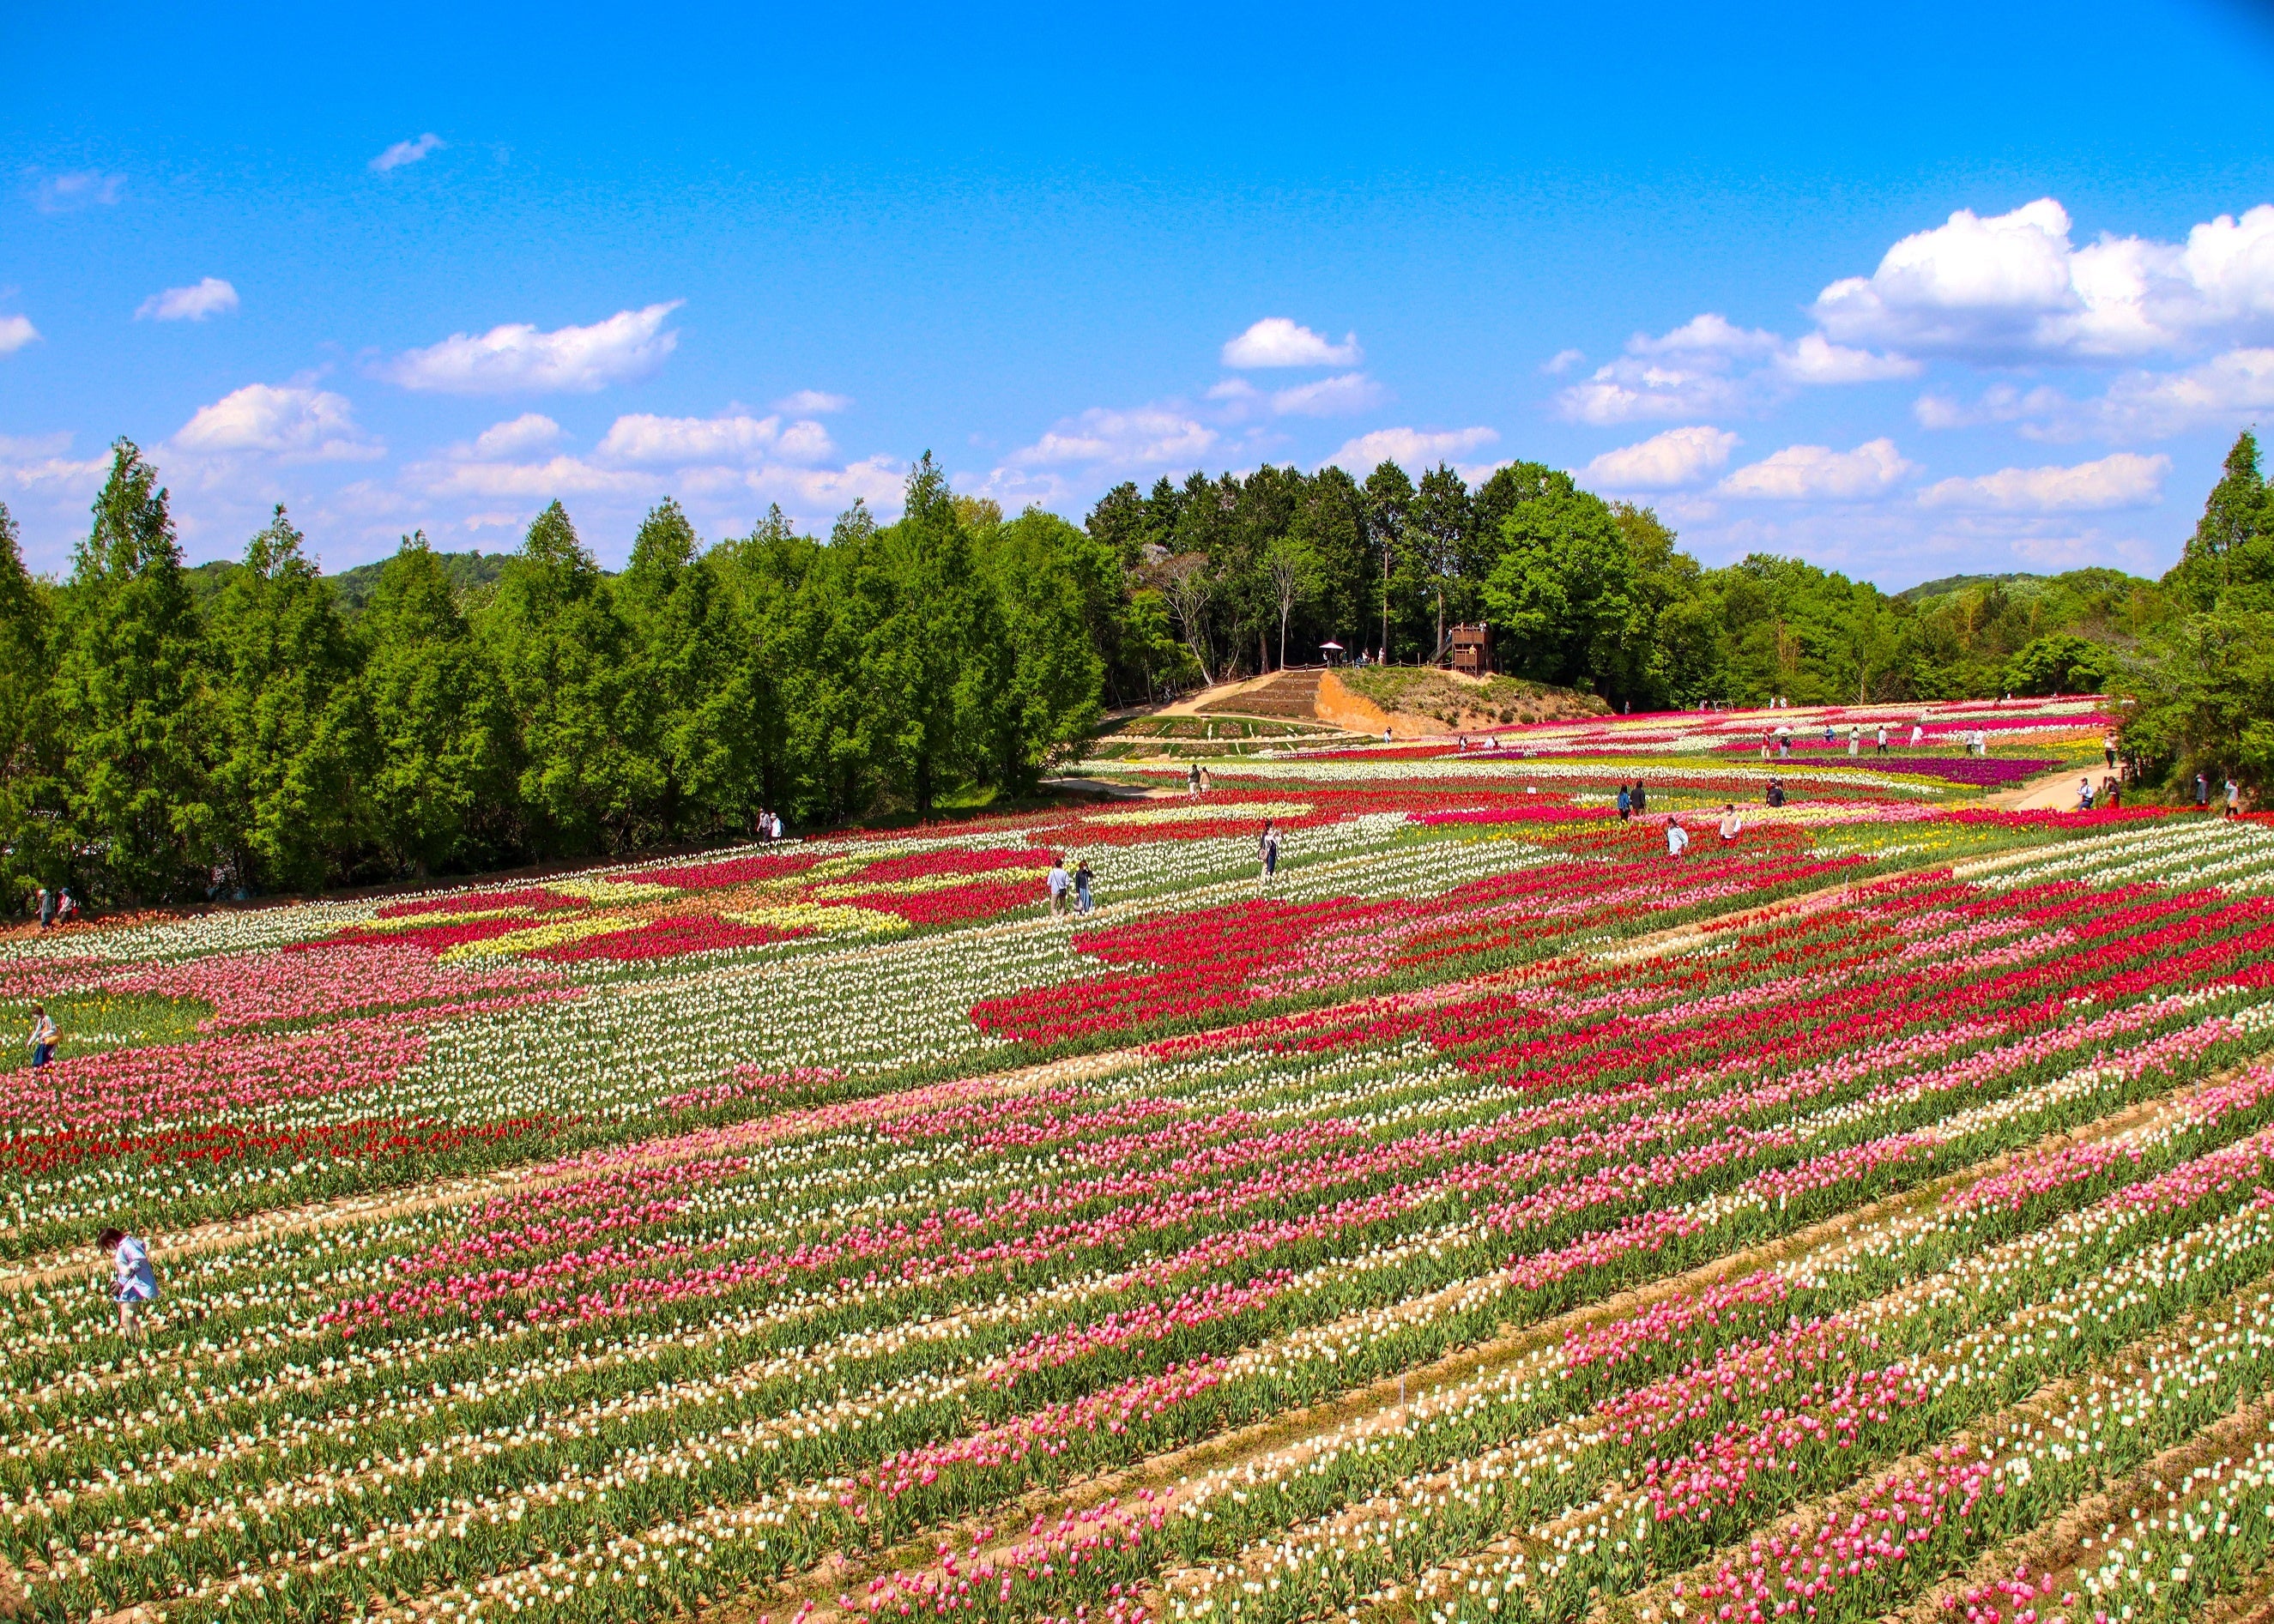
(468, 572)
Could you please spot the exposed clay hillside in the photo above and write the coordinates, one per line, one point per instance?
(1432, 700)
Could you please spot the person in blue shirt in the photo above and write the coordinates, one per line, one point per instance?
(1626, 805)
(134, 1283)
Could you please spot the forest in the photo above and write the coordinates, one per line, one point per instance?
(169, 732)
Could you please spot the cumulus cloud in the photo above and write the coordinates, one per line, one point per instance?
(63, 194)
(2003, 402)
(1678, 457)
(737, 437)
(407, 151)
(2012, 287)
(1709, 367)
(1277, 341)
(1148, 437)
(15, 333)
(2217, 393)
(42, 464)
(879, 481)
(812, 403)
(1562, 362)
(210, 297)
(532, 430)
(516, 359)
(2124, 480)
(288, 422)
(1330, 397)
(532, 481)
(1800, 473)
(1413, 450)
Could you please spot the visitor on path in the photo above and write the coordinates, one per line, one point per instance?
(1768, 742)
(1193, 782)
(1776, 792)
(1784, 747)
(66, 907)
(1058, 880)
(1677, 838)
(1081, 903)
(777, 826)
(1641, 799)
(2084, 794)
(2203, 792)
(1385, 733)
(1854, 740)
(41, 1041)
(1207, 783)
(1918, 731)
(1266, 851)
(133, 1283)
(2233, 799)
(47, 907)
(2108, 749)
(1731, 823)
(1830, 735)
(1883, 737)
(1626, 804)
(2111, 792)
(766, 827)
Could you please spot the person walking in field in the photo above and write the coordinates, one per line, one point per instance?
(134, 1283)
(1641, 799)
(2203, 792)
(2108, 749)
(1207, 783)
(1082, 886)
(2233, 799)
(1731, 823)
(1057, 882)
(1193, 782)
(41, 1041)
(1267, 851)
(1854, 740)
(1918, 731)
(1776, 792)
(1677, 838)
(1883, 737)
(1626, 804)
(2084, 794)
(47, 907)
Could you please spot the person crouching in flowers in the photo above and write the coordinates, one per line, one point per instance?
(1677, 838)
(1731, 823)
(134, 1283)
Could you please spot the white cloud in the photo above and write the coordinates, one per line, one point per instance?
(2012, 287)
(532, 430)
(63, 194)
(1709, 367)
(1234, 389)
(2124, 480)
(517, 357)
(642, 438)
(1815, 359)
(1711, 333)
(1562, 362)
(556, 476)
(2219, 393)
(1799, 473)
(1276, 342)
(1148, 437)
(812, 403)
(1678, 457)
(2003, 402)
(15, 333)
(211, 296)
(293, 422)
(40, 463)
(879, 481)
(1329, 397)
(1632, 389)
(407, 151)
(1414, 450)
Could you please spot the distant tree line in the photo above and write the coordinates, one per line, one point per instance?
(165, 730)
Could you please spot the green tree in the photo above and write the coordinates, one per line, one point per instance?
(695, 721)
(441, 788)
(562, 652)
(291, 740)
(1046, 575)
(130, 688)
(30, 782)
(2228, 563)
(1562, 592)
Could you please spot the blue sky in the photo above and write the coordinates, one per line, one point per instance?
(1903, 291)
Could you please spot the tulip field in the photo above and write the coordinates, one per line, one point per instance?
(1865, 1213)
